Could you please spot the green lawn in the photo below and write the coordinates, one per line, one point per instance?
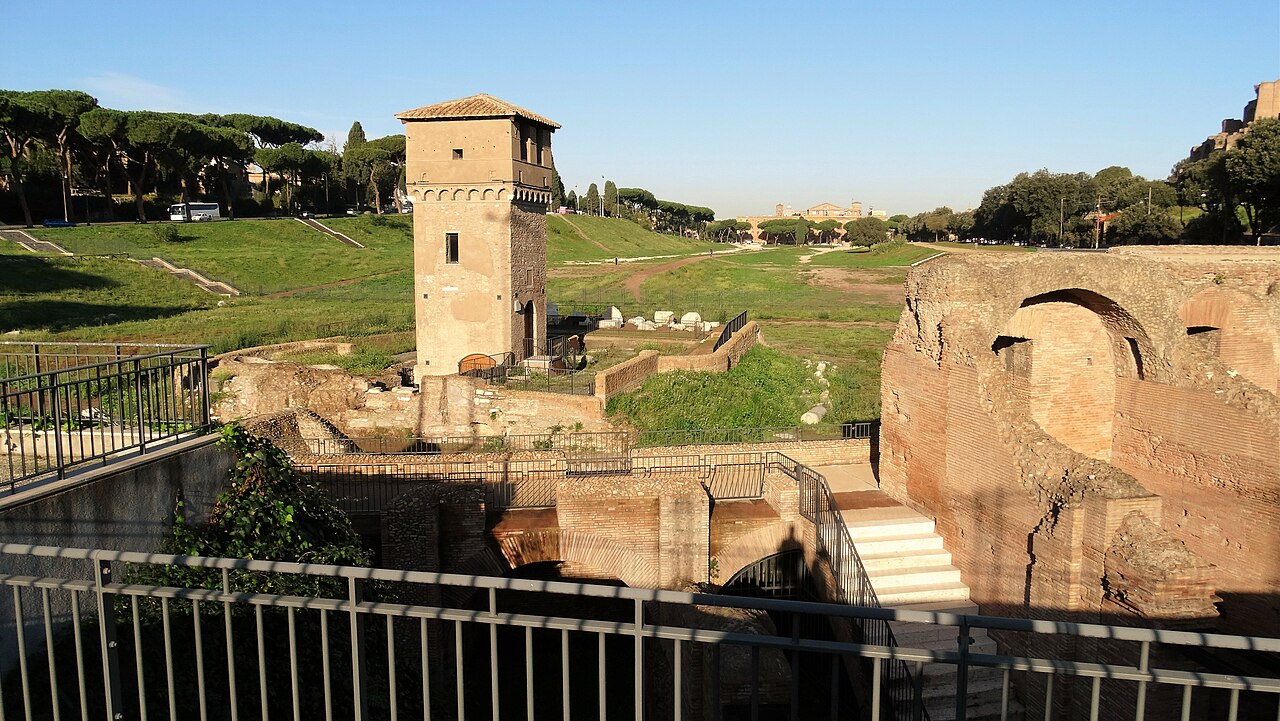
(722, 287)
(903, 255)
(838, 308)
(569, 238)
(256, 256)
(47, 292)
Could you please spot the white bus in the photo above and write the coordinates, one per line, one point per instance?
(194, 211)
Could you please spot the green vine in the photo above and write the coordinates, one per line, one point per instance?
(268, 512)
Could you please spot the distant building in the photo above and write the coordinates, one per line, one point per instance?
(1265, 105)
(816, 213)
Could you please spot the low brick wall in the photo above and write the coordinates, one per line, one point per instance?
(810, 453)
(627, 375)
(722, 360)
(630, 375)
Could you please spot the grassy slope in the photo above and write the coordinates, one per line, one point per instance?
(45, 291)
(620, 238)
(256, 256)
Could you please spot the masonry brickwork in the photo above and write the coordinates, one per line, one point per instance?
(630, 375)
(1047, 410)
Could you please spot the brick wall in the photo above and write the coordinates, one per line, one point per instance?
(1029, 458)
(1217, 469)
(663, 521)
(627, 375)
(722, 360)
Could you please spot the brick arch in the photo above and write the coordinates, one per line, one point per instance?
(576, 547)
(1062, 352)
(502, 193)
(1237, 328)
(473, 194)
(759, 544)
(488, 194)
(459, 194)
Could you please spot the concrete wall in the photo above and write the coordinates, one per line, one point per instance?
(126, 507)
(1034, 405)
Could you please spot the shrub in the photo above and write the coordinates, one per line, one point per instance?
(166, 233)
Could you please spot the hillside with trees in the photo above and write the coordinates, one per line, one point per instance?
(67, 158)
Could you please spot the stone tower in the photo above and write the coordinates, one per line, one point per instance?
(478, 171)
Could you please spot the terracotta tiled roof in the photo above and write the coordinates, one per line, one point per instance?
(476, 106)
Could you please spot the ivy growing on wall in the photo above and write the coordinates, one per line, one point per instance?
(268, 512)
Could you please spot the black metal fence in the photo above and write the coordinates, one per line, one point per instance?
(92, 402)
(852, 584)
(729, 329)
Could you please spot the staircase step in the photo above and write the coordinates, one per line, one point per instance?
(898, 544)
(886, 580)
(903, 559)
(954, 591)
(888, 528)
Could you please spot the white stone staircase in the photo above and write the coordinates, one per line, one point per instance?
(910, 569)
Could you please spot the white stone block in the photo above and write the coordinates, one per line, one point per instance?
(613, 314)
(663, 317)
(813, 415)
(691, 319)
(609, 323)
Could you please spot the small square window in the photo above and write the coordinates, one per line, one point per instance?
(457, 153)
(451, 247)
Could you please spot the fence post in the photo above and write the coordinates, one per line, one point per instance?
(137, 397)
(107, 638)
(202, 395)
(57, 429)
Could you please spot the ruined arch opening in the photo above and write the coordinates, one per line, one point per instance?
(1238, 330)
(1064, 353)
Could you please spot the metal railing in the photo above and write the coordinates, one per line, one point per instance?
(363, 488)
(852, 584)
(729, 329)
(94, 402)
(620, 442)
(119, 639)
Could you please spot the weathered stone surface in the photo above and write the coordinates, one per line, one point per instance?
(813, 415)
(663, 317)
(1047, 396)
(690, 319)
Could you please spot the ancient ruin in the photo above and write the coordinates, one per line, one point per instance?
(1097, 435)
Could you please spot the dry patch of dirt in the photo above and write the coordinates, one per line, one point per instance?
(865, 282)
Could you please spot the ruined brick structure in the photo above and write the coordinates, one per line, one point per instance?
(1097, 436)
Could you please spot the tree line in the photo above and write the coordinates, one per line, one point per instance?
(1227, 197)
(637, 205)
(56, 141)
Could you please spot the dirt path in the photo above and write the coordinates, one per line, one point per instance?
(632, 284)
(334, 284)
(583, 235)
(816, 252)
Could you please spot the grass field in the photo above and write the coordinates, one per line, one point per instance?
(589, 238)
(256, 256)
(838, 306)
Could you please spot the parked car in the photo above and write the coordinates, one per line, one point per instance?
(306, 214)
(55, 223)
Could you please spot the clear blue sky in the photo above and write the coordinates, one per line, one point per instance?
(901, 105)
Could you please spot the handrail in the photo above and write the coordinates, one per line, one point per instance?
(729, 329)
(852, 584)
